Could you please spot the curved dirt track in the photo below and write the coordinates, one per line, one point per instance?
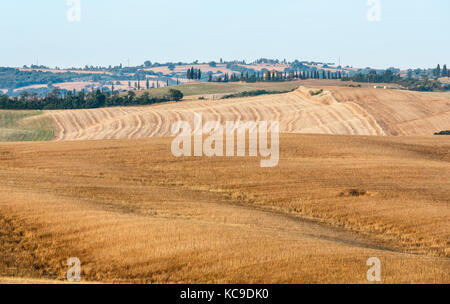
(344, 111)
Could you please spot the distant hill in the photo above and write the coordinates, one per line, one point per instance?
(41, 80)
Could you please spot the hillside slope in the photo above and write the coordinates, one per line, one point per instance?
(25, 126)
(336, 110)
(400, 112)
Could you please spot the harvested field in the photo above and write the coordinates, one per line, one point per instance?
(334, 110)
(205, 68)
(400, 112)
(134, 213)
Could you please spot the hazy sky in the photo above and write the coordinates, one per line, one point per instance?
(411, 33)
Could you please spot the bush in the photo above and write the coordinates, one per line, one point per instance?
(175, 95)
(443, 133)
(317, 92)
(255, 93)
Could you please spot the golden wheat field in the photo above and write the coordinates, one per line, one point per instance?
(132, 212)
(326, 110)
(109, 191)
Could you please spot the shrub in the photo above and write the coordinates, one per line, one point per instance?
(255, 93)
(317, 92)
(443, 133)
(175, 95)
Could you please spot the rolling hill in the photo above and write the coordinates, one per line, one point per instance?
(336, 110)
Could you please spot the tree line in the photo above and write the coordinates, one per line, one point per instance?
(423, 84)
(444, 72)
(82, 100)
(194, 74)
(277, 76)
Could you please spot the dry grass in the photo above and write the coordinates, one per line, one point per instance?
(336, 110)
(133, 213)
(400, 112)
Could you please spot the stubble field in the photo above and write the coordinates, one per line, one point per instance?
(319, 110)
(131, 212)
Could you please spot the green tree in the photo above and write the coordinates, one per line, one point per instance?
(175, 95)
(438, 71)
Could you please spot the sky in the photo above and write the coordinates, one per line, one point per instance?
(401, 33)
